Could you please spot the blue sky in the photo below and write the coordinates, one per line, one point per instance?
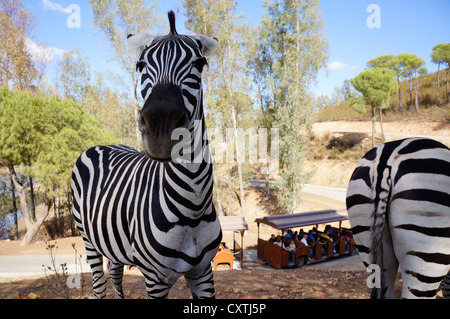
(405, 26)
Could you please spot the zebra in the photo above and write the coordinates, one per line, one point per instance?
(398, 202)
(150, 209)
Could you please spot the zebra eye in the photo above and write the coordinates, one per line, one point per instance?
(140, 65)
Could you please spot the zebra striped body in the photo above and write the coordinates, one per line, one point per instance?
(398, 202)
(149, 209)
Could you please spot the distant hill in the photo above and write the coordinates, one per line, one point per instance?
(432, 103)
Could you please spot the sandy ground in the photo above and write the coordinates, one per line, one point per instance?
(341, 278)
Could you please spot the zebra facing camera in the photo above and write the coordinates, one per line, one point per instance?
(172, 93)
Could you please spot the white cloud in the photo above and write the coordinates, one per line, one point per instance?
(48, 5)
(42, 53)
(336, 65)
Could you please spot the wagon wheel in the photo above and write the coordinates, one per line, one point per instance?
(301, 261)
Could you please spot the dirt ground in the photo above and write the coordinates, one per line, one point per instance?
(334, 279)
(301, 283)
(328, 280)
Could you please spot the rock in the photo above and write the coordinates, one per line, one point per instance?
(237, 290)
(32, 295)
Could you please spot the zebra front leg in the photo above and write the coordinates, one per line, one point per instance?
(155, 285)
(95, 260)
(115, 275)
(201, 283)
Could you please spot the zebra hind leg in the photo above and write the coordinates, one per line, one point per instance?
(95, 260)
(116, 275)
(446, 286)
(201, 283)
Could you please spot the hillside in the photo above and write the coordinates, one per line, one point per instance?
(432, 103)
(337, 146)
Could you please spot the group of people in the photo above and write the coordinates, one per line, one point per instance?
(328, 236)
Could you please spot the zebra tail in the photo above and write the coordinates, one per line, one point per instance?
(379, 229)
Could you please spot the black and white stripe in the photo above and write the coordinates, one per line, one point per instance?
(398, 201)
(156, 215)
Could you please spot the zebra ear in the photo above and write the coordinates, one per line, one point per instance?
(208, 43)
(138, 42)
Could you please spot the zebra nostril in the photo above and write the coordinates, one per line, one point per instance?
(142, 124)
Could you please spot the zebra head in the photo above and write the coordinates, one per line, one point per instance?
(170, 68)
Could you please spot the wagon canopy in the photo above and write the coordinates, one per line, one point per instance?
(233, 223)
(287, 221)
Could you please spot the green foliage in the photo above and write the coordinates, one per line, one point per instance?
(46, 134)
(377, 85)
(441, 54)
(293, 51)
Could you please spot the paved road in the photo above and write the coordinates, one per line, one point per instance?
(32, 265)
(334, 193)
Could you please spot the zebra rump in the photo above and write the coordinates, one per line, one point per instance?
(398, 201)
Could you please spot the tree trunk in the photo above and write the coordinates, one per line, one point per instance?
(446, 90)
(230, 192)
(239, 164)
(219, 199)
(31, 226)
(416, 93)
(267, 175)
(410, 92)
(439, 65)
(399, 95)
(294, 186)
(13, 192)
(381, 126)
(373, 125)
(233, 115)
(33, 207)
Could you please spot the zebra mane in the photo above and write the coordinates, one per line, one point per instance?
(173, 29)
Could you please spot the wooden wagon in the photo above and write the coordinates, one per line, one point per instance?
(317, 250)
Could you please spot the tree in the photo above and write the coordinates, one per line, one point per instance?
(117, 19)
(17, 68)
(293, 32)
(441, 55)
(376, 85)
(410, 65)
(227, 85)
(394, 63)
(27, 131)
(72, 75)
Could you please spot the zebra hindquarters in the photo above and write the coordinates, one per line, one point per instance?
(420, 231)
(369, 230)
